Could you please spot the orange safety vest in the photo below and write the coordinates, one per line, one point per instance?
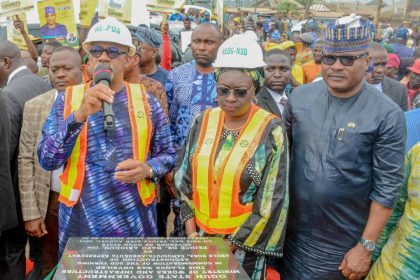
(73, 176)
(216, 199)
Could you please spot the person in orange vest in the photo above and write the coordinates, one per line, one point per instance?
(232, 176)
(312, 69)
(305, 55)
(108, 187)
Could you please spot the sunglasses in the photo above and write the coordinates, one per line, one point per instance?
(238, 92)
(346, 60)
(111, 52)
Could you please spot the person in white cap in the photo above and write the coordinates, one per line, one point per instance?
(109, 182)
(231, 178)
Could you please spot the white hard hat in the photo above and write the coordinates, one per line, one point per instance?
(239, 51)
(110, 30)
(251, 35)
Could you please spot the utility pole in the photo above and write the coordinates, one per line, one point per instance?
(406, 9)
(378, 13)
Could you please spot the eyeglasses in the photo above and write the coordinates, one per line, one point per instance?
(346, 60)
(238, 92)
(112, 52)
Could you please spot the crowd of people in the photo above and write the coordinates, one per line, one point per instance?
(300, 149)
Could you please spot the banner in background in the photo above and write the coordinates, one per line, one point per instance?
(14, 35)
(57, 21)
(11, 7)
(87, 12)
(165, 6)
(119, 9)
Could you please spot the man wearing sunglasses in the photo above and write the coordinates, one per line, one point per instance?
(108, 187)
(347, 154)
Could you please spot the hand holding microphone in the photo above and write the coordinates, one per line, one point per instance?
(98, 97)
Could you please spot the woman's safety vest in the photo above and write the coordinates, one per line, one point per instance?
(216, 199)
(73, 176)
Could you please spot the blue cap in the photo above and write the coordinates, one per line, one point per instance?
(348, 34)
(148, 36)
(402, 33)
(49, 10)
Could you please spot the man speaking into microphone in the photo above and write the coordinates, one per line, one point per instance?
(109, 183)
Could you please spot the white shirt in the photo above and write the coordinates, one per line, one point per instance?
(55, 174)
(15, 72)
(378, 86)
(277, 97)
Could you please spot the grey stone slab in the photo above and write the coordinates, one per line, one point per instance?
(148, 258)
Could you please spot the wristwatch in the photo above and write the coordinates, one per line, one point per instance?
(151, 173)
(369, 245)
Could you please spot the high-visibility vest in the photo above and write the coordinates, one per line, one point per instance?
(73, 176)
(216, 199)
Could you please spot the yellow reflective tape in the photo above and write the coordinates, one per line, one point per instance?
(241, 146)
(267, 198)
(203, 161)
(221, 223)
(281, 223)
(140, 117)
(76, 100)
(138, 98)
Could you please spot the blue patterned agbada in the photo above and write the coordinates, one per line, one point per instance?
(107, 207)
(189, 93)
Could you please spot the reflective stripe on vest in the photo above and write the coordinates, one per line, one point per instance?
(74, 174)
(216, 200)
(141, 131)
(72, 178)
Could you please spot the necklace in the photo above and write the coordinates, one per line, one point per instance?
(234, 129)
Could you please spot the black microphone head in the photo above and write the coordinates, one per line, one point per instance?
(102, 73)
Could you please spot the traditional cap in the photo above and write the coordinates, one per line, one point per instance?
(416, 67)
(307, 38)
(147, 36)
(393, 61)
(49, 10)
(286, 45)
(271, 46)
(348, 34)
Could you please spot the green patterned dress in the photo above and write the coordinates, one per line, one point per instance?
(399, 258)
(264, 182)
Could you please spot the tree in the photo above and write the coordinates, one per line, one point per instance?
(307, 4)
(287, 8)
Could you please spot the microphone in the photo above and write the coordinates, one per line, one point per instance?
(103, 75)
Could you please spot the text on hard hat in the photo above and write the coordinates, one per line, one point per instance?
(112, 28)
(238, 51)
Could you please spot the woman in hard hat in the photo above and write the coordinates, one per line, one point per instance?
(231, 178)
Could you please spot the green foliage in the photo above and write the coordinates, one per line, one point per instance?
(287, 8)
